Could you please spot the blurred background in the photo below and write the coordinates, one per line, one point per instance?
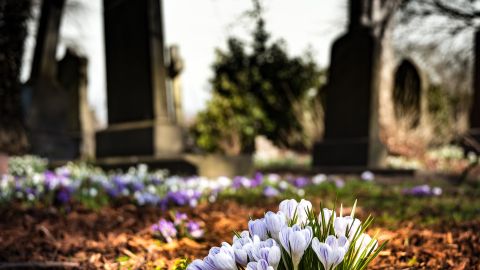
(117, 113)
(277, 81)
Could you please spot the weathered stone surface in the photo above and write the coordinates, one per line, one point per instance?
(351, 113)
(72, 75)
(137, 101)
(351, 137)
(48, 105)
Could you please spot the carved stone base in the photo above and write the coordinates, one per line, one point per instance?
(139, 139)
(348, 153)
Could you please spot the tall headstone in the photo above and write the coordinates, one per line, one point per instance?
(46, 102)
(72, 75)
(475, 109)
(139, 122)
(351, 136)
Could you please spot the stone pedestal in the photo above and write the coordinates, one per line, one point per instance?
(351, 113)
(139, 120)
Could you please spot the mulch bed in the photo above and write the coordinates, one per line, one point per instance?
(86, 239)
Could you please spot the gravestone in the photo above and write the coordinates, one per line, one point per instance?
(45, 102)
(475, 110)
(407, 93)
(351, 136)
(139, 122)
(72, 75)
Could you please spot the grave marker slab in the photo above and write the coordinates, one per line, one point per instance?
(351, 112)
(139, 120)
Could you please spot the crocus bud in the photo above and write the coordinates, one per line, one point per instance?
(275, 222)
(259, 228)
(289, 208)
(327, 215)
(346, 226)
(304, 207)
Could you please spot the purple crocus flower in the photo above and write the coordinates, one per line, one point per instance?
(269, 192)
(145, 198)
(119, 182)
(237, 182)
(179, 197)
(112, 191)
(29, 190)
(63, 195)
(194, 229)
(339, 182)
(367, 176)
(163, 203)
(300, 182)
(155, 181)
(137, 186)
(423, 190)
(242, 181)
(165, 229)
(180, 218)
(256, 180)
(50, 180)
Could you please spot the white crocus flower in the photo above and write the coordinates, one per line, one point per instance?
(260, 265)
(346, 226)
(331, 252)
(304, 207)
(291, 208)
(275, 222)
(364, 244)
(259, 228)
(264, 250)
(197, 265)
(240, 247)
(327, 215)
(223, 257)
(295, 241)
(319, 178)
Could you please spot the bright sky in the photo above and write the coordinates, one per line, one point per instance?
(198, 27)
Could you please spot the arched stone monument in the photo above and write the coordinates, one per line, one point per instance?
(407, 93)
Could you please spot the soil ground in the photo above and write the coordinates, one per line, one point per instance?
(120, 238)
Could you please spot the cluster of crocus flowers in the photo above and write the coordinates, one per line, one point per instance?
(179, 226)
(296, 237)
